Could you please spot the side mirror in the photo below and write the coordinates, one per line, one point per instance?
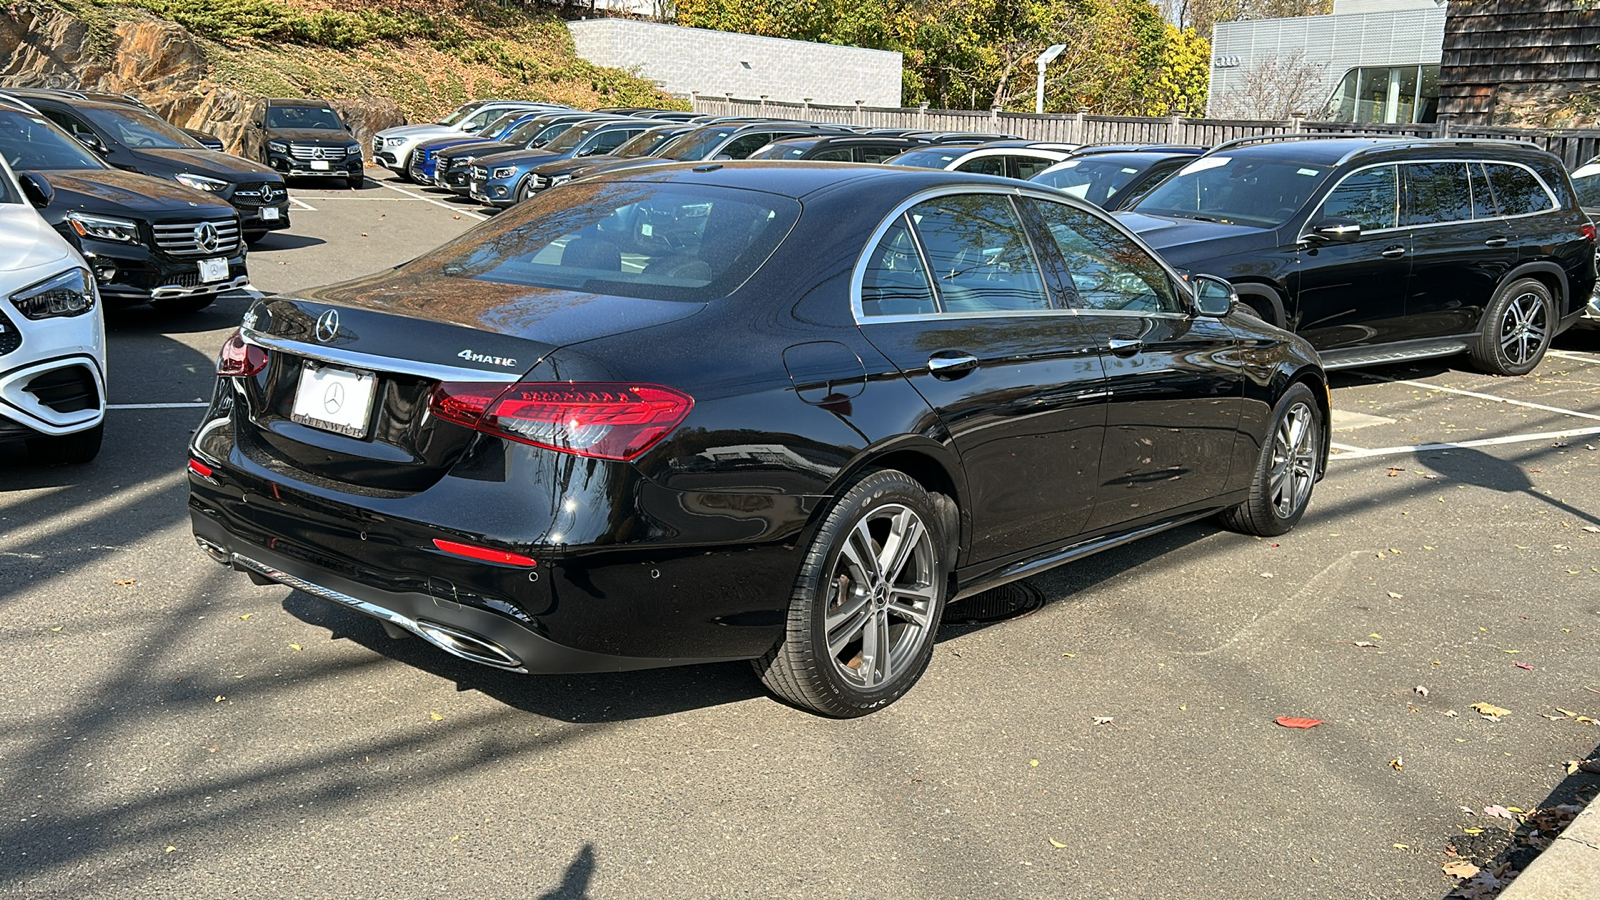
(1335, 229)
(90, 141)
(1213, 297)
(36, 189)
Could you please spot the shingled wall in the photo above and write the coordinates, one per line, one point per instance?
(1531, 63)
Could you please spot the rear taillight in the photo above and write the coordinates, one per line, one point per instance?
(238, 358)
(1588, 232)
(607, 421)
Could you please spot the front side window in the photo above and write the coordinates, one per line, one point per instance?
(136, 128)
(1517, 191)
(979, 254)
(628, 239)
(1370, 197)
(1109, 271)
(1437, 192)
(30, 142)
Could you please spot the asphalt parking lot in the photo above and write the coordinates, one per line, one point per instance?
(170, 729)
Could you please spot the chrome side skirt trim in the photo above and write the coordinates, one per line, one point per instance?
(456, 643)
(1054, 558)
(1347, 359)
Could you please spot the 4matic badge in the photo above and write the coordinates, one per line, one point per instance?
(470, 356)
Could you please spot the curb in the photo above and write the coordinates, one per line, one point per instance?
(1568, 869)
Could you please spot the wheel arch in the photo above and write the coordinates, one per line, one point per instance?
(1265, 300)
(1548, 273)
(1317, 380)
(928, 463)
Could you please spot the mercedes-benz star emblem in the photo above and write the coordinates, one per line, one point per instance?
(333, 399)
(206, 237)
(321, 153)
(328, 326)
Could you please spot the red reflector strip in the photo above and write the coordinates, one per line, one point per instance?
(484, 553)
(1588, 232)
(199, 468)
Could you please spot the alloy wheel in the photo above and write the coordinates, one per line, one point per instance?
(881, 597)
(1294, 460)
(1523, 328)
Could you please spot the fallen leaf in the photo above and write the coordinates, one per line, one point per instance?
(58, 628)
(124, 582)
(1489, 709)
(1394, 596)
(1057, 844)
(1510, 651)
(1394, 471)
(1402, 846)
(296, 647)
(219, 699)
(1033, 763)
(1292, 722)
(1500, 812)
(1070, 655)
(1364, 644)
(1566, 712)
(1102, 720)
(1584, 719)
(247, 615)
(1592, 529)
(170, 848)
(1266, 574)
(1398, 763)
(1420, 691)
(1450, 713)
(436, 717)
(1522, 665)
(1460, 869)
(1376, 637)
(1472, 831)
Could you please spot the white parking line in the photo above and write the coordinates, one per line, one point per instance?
(1491, 397)
(437, 203)
(302, 204)
(195, 405)
(1577, 357)
(1358, 453)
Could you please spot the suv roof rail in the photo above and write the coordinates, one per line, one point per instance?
(1492, 143)
(16, 102)
(1304, 136)
(1138, 148)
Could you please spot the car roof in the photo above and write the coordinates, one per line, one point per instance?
(300, 101)
(799, 179)
(1333, 150)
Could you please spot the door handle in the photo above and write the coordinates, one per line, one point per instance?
(1394, 252)
(1125, 346)
(1496, 241)
(954, 365)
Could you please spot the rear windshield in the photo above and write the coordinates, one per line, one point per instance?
(644, 143)
(1236, 190)
(933, 158)
(1094, 180)
(318, 117)
(653, 241)
(30, 142)
(696, 145)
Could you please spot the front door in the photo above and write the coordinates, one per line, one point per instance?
(1354, 294)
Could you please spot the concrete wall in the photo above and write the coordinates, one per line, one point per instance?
(715, 63)
(1408, 35)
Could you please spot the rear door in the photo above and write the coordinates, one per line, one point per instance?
(953, 294)
(1461, 247)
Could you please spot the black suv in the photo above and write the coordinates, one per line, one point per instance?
(1586, 179)
(133, 138)
(1386, 249)
(145, 239)
(304, 138)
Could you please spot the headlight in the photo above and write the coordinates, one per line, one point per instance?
(559, 179)
(105, 228)
(201, 183)
(353, 150)
(277, 146)
(503, 172)
(72, 293)
(395, 141)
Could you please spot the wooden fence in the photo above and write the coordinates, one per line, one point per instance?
(1574, 146)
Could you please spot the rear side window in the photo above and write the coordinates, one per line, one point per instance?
(895, 282)
(652, 241)
(1437, 192)
(1482, 198)
(1109, 271)
(1371, 197)
(1028, 166)
(840, 154)
(984, 165)
(979, 254)
(1517, 191)
(876, 154)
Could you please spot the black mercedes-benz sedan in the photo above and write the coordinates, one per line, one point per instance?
(780, 412)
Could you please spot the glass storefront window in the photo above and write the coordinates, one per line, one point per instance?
(1387, 94)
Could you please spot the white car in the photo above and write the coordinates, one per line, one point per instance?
(392, 147)
(52, 334)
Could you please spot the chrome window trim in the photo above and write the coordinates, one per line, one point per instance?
(1554, 206)
(372, 363)
(858, 274)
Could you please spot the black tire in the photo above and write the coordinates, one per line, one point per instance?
(183, 304)
(525, 190)
(67, 449)
(840, 585)
(1280, 490)
(355, 180)
(1516, 329)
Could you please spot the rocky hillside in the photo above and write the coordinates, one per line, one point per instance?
(203, 63)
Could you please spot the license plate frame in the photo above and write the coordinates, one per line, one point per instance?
(330, 398)
(320, 165)
(213, 270)
(269, 214)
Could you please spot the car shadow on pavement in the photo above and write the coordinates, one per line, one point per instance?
(1468, 465)
(1501, 851)
(602, 697)
(224, 313)
(281, 240)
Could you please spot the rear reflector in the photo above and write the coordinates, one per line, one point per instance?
(240, 359)
(602, 420)
(1588, 232)
(199, 468)
(485, 553)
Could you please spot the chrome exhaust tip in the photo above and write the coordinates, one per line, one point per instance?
(467, 645)
(214, 550)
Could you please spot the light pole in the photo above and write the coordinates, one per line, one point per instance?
(1045, 59)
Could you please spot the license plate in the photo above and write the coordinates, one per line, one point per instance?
(269, 214)
(213, 270)
(319, 165)
(336, 400)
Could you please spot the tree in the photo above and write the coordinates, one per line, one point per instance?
(1275, 89)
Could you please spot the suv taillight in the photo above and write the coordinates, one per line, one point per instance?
(1588, 232)
(602, 420)
(240, 359)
